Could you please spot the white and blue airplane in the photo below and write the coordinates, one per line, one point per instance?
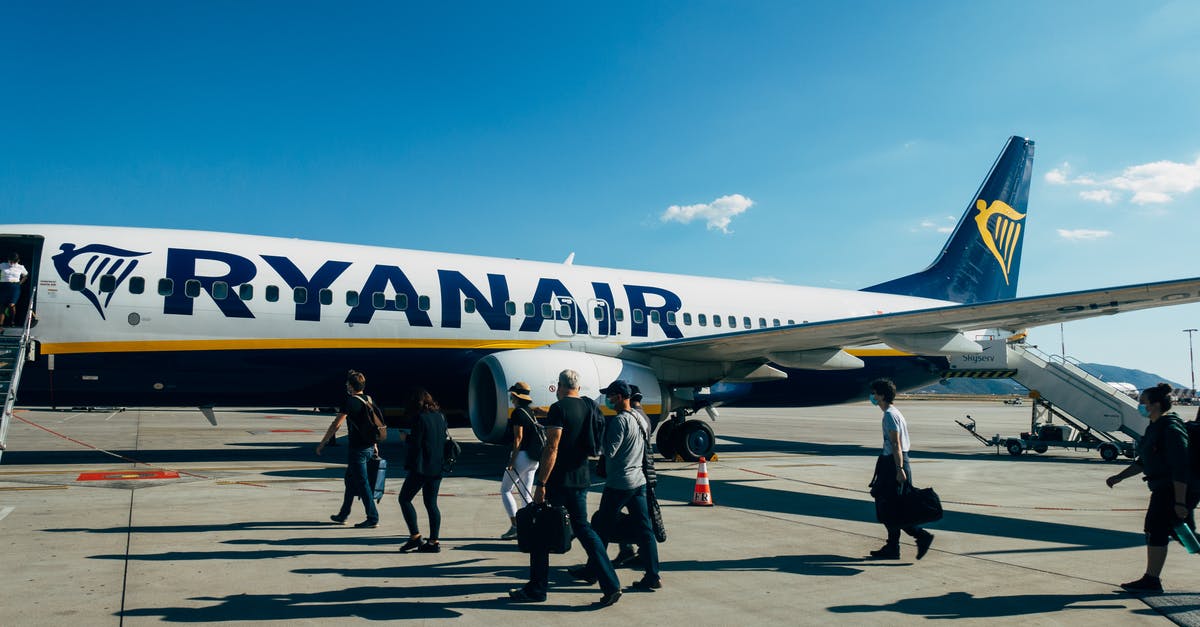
(153, 317)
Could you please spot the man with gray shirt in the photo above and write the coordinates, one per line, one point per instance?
(625, 486)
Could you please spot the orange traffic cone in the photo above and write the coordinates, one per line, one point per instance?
(702, 495)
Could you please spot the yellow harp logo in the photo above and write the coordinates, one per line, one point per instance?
(1003, 234)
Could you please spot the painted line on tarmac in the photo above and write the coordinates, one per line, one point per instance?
(967, 503)
(5, 512)
(32, 487)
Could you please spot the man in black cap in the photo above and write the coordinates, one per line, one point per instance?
(563, 480)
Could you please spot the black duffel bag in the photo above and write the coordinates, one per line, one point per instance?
(917, 506)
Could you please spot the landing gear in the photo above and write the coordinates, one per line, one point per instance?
(690, 439)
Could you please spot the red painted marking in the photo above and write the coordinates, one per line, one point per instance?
(291, 431)
(126, 475)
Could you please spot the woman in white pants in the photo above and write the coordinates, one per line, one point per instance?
(527, 442)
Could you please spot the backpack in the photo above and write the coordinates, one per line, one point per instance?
(533, 431)
(379, 433)
(450, 452)
(1193, 431)
(592, 438)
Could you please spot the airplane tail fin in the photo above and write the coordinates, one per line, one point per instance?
(982, 259)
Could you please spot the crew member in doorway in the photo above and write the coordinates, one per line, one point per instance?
(12, 276)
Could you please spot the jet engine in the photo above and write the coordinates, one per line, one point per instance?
(488, 403)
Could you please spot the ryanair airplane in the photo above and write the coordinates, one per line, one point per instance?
(151, 317)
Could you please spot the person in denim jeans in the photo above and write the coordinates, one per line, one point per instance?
(360, 449)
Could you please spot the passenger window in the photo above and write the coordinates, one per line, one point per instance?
(716, 320)
(732, 322)
(598, 312)
(775, 322)
(638, 316)
(687, 319)
(108, 283)
(655, 317)
(299, 295)
(378, 300)
(671, 318)
(746, 322)
(137, 285)
(530, 310)
(77, 281)
(547, 311)
(703, 320)
(191, 288)
(619, 314)
(325, 296)
(762, 323)
(402, 302)
(791, 322)
(246, 291)
(422, 303)
(564, 312)
(166, 287)
(352, 298)
(220, 290)
(271, 293)
(469, 305)
(510, 308)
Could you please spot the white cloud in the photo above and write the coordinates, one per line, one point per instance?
(1158, 182)
(717, 214)
(1105, 196)
(945, 226)
(1079, 235)
(767, 279)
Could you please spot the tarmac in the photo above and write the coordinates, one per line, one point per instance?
(152, 516)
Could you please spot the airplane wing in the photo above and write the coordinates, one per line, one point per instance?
(1013, 314)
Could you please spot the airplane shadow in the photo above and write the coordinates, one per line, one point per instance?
(966, 605)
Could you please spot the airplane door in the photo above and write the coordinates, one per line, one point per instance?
(564, 317)
(602, 324)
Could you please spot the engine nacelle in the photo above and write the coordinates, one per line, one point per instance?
(488, 404)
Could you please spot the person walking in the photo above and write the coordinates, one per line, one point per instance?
(562, 479)
(525, 455)
(423, 463)
(892, 472)
(1163, 459)
(625, 438)
(360, 448)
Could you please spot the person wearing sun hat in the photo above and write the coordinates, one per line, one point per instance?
(526, 452)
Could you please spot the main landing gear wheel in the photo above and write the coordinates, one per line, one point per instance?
(1014, 448)
(1109, 451)
(665, 439)
(695, 439)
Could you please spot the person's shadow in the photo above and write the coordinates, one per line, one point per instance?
(966, 605)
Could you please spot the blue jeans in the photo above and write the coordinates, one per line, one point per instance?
(611, 502)
(356, 483)
(575, 500)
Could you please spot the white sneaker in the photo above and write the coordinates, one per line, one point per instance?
(511, 534)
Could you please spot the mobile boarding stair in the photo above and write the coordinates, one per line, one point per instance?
(1094, 415)
(14, 344)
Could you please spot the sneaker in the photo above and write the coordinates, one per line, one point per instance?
(430, 547)
(511, 534)
(519, 595)
(367, 524)
(338, 520)
(583, 573)
(413, 543)
(609, 598)
(624, 557)
(923, 543)
(1145, 584)
(887, 552)
(647, 584)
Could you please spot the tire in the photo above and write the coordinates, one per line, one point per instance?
(665, 440)
(1014, 448)
(1109, 451)
(695, 440)
(1040, 448)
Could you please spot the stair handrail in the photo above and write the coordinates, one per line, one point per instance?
(10, 399)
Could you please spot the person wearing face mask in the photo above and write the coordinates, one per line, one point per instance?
(1163, 459)
(892, 470)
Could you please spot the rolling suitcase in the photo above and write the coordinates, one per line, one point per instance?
(377, 477)
(541, 526)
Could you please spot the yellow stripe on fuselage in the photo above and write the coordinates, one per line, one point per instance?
(164, 346)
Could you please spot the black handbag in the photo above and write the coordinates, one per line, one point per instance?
(917, 506)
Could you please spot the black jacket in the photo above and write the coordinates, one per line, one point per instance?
(426, 445)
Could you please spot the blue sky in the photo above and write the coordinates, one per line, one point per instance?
(824, 144)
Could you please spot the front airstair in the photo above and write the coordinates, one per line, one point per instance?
(1058, 380)
(14, 344)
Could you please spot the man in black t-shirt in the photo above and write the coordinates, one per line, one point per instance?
(563, 480)
(360, 449)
